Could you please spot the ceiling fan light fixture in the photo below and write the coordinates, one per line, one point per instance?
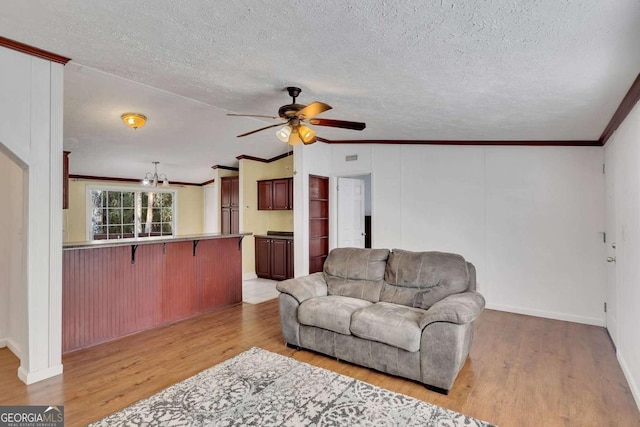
(294, 139)
(284, 133)
(134, 120)
(306, 134)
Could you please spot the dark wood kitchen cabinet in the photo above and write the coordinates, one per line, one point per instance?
(274, 258)
(275, 194)
(230, 205)
(263, 257)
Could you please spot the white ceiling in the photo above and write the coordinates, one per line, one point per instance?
(472, 70)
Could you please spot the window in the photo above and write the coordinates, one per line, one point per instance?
(121, 214)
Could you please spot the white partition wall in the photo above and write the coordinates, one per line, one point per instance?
(31, 134)
(625, 144)
(315, 160)
(529, 218)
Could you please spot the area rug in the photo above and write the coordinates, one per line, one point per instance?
(260, 388)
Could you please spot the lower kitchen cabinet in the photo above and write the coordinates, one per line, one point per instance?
(274, 258)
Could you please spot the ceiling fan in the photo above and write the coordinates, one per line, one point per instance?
(297, 116)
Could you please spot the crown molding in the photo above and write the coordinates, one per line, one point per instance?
(585, 143)
(134, 181)
(625, 107)
(259, 159)
(33, 51)
(227, 168)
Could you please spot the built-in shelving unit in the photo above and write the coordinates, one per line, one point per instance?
(318, 222)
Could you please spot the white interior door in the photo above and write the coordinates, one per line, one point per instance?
(611, 299)
(351, 200)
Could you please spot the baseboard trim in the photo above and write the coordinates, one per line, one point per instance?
(249, 276)
(33, 377)
(635, 390)
(11, 345)
(548, 314)
(15, 348)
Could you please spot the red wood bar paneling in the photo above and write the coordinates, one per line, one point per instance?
(106, 297)
(179, 288)
(217, 284)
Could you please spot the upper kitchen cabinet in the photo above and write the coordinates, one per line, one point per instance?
(275, 194)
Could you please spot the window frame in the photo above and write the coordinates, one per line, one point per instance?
(134, 189)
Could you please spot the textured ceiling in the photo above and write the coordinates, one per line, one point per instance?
(479, 70)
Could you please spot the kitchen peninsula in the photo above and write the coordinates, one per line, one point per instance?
(113, 288)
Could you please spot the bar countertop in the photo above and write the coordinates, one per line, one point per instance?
(147, 240)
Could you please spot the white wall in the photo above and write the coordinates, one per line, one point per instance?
(31, 108)
(529, 218)
(210, 220)
(12, 274)
(545, 218)
(625, 144)
(309, 159)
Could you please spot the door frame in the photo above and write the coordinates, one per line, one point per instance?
(333, 205)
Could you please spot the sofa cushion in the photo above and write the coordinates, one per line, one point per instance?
(331, 312)
(391, 324)
(420, 279)
(357, 273)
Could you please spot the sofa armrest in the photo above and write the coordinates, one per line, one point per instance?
(459, 309)
(304, 288)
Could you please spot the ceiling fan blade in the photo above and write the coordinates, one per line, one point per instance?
(313, 109)
(258, 130)
(338, 124)
(252, 115)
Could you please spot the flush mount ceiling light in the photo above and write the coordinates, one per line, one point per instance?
(153, 179)
(134, 120)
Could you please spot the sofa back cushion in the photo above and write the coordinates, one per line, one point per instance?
(420, 279)
(357, 273)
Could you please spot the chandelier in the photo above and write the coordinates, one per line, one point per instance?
(152, 179)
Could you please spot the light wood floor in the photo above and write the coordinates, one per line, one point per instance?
(523, 371)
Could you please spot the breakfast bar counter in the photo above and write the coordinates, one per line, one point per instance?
(113, 288)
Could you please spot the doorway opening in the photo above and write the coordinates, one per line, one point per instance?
(354, 211)
(13, 293)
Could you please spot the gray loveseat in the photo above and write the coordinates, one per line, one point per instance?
(405, 313)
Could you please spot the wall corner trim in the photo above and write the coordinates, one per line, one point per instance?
(625, 107)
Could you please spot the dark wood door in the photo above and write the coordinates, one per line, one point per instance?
(280, 194)
(225, 192)
(290, 180)
(264, 195)
(235, 192)
(290, 264)
(229, 202)
(278, 259)
(65, 179)
(263, 257)
(235, 220)
(225, 220)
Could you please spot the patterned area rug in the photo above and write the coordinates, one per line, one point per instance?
(260, 388)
